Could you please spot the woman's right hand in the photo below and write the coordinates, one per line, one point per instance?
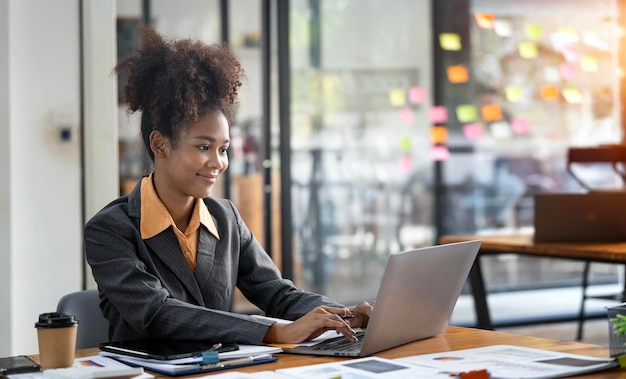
(309, 326)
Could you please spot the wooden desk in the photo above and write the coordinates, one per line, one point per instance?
(524, 245)
(454, 338)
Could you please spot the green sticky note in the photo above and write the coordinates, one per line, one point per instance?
(466, 113)
(533, 31)
(405, 144)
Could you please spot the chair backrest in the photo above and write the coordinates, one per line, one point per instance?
(93, 328)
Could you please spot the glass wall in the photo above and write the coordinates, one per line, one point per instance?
(544, 77)
(403, 129)
(360, 164)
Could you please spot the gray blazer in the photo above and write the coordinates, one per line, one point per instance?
(148, 290)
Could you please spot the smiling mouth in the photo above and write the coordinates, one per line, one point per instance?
(209, 179)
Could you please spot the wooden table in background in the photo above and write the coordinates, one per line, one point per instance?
(523, 244)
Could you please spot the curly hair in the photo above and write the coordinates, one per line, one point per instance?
(174, 83)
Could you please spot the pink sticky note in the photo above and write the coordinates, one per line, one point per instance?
(438, 114)
(473, 130)
(405, 115)
(520, 125)
(568, 71)
(439, 152)
(406, 163)
(417, 95)
(570, 53)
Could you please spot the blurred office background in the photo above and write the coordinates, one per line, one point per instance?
(367, 127)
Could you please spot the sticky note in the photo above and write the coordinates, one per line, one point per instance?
(473, 131)
(589, 63)
(527, 50)
(406, 115)
(450, 41)
(439, 153)
(572, 95)
(329, 85)
(549, 92)
(569, 35)
(502, 28)
(438, 114)
(405, 144)
(551, 74)
(520, 125)
(405, 162)
(438, 134)
(466, 113)
(484, 20)
(457, 74)
(397, 97)
(533, 31)
(417, 95)
(491, 112)
(568, 71)
(570, 53)
(501, 130)
(513, 94)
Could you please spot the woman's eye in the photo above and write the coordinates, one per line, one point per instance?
(204, 147)
(224, 150)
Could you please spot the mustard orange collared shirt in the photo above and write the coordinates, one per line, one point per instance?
(155, 218)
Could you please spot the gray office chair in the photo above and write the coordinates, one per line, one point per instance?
(93, 328)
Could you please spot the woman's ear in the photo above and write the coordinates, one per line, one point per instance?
(159, 144)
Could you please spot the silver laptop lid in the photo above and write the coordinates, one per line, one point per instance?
(417, 294)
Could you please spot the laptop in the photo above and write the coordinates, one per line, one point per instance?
(416, 297)
(580, 217)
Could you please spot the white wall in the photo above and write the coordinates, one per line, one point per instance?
(41, 244)
(5, 215)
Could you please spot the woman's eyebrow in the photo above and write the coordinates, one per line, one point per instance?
(210, 139)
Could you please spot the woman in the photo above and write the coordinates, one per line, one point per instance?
(167, 258)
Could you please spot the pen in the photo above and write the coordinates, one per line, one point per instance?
(345, 317)
(235, 362)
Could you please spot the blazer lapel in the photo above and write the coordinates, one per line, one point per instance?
(166, 247)
(205, 256)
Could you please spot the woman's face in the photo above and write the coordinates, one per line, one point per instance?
(192, 165)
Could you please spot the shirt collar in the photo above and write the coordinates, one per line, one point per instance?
(155, 218)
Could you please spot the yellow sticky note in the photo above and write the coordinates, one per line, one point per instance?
(438, 134)
(568, 35)
(589, 63)
(397, 97)
(533, 31)
(572, 95)
(466, 113)
(527, 50)
(450, 41)
(484, 20)
(491, 112)
(457, 74)
(513, 93)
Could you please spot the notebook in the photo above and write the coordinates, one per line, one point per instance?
(576, 217)
(415, 300)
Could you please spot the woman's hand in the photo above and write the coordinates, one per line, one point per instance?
(361, 314)
(313, 324)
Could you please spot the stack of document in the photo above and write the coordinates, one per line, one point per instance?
(245, 355)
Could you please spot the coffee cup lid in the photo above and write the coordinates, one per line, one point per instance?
(55, 320)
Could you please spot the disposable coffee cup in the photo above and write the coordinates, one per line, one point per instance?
(56, 334)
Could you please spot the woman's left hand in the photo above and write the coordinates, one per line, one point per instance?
(361, 314)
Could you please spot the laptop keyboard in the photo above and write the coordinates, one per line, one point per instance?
(341, 344)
